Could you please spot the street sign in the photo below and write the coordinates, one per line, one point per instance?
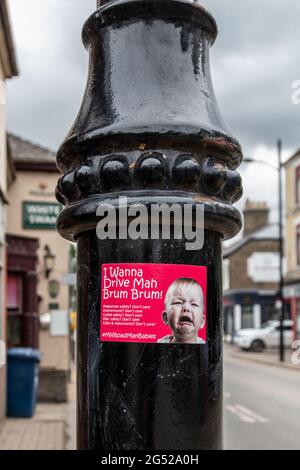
(40, 215)
(59, 323)
(69, 279)
(263, 267)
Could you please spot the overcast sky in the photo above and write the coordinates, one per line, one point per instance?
(254, 62)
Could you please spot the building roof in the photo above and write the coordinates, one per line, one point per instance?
(8, 55)
(269, 232)
(295, 155)
(28, 156)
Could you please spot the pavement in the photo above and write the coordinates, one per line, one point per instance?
(269, 357)
(261, 403)
(53, 426)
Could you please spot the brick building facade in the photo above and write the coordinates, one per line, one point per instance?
(38, 298)
(251, 272)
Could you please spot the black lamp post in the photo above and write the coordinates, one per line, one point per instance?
(281, 254)
(149, 128)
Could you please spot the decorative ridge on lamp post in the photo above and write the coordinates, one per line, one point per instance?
(124, 119)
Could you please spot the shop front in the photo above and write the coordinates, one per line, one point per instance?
(38, 298)
(21, 294)
(249, 309)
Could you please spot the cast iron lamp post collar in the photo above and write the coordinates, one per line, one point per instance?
(146, 125)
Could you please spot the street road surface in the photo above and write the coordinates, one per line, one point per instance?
(261, 406)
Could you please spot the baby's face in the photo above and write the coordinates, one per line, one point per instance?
(184, 311)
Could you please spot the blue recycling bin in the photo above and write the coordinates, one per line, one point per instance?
(22, 381)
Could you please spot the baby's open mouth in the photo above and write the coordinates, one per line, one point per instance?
(185, 319)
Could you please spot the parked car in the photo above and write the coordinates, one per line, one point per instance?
(267, 336)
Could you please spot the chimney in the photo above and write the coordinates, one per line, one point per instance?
(256, 216)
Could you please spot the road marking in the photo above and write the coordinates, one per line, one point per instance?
(246, 415)
(241, 416)
(256, 416)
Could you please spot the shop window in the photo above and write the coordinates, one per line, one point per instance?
(13, 292)
(247, 316)
(14, 310)
(268, 312)
(13, 331)
(228, 321)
